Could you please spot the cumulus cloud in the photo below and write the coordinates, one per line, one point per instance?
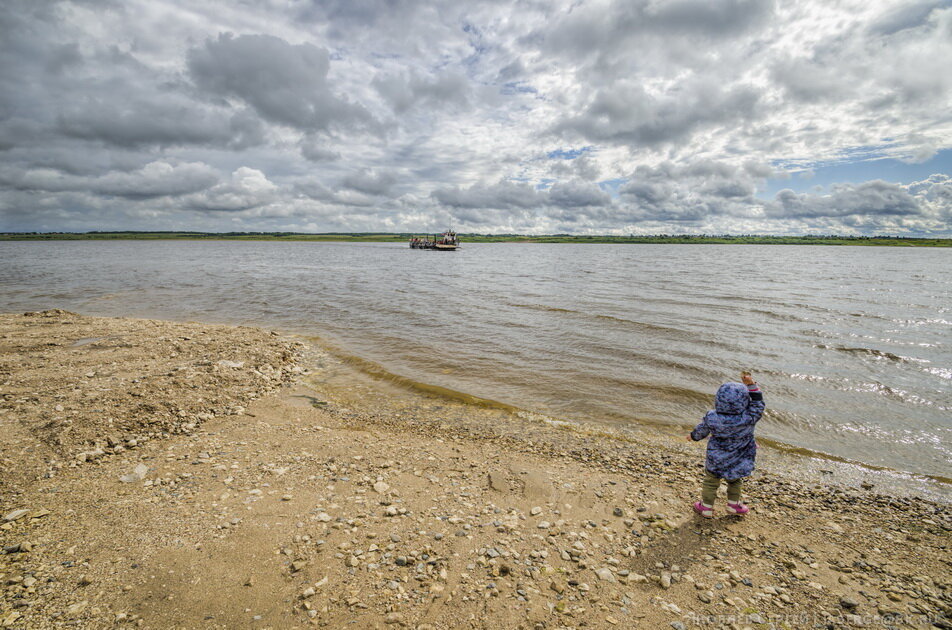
(875, 197)
(156, 179)
(627, 113)
(141, 122)
(403, 92)
(576, 194)
(503, 194)
(693, 191)
(248, 188)
(370, 182)
(285, 83)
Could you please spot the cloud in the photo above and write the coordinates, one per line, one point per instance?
(874, 197)
(156, 179)
(285, 83)
(693, 191)
(577, 194)
(317, 149)
(141, 122)
(571, 116)
(600, 27)
(248, 188)
(407, 91)
(370, 182)
(908, 15)
(628, 114)
(503, 194)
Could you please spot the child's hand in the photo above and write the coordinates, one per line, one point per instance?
(690, 439)
(747, 378)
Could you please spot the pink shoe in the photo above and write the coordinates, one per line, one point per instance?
(737, 508)
(700, 508)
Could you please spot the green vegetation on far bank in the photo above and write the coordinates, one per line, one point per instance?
(381, 237)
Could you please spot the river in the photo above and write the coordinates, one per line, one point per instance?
(852, 345)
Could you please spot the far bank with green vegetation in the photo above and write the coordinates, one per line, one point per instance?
(382, 237)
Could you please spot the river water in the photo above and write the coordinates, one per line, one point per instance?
(852, 345)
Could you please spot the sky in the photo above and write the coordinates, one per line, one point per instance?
(525, 116)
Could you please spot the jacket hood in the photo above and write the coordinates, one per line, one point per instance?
(731, 399)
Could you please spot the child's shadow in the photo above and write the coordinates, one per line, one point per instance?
(684, 545)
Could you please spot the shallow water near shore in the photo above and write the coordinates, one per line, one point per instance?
(851, 344)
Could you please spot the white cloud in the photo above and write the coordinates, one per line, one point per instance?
(247, 189)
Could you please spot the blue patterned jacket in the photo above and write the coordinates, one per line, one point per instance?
(731, 449)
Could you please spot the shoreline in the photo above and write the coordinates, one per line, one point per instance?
(684, 239)
(937, 486)
(789, 459)
(181, 470)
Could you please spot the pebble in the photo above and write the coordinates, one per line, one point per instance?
(137, 474)
(77, 609)
(394, 618)
(605, 574)
(15, 515)
(544, 525)
(381, 487)
(23, 547)
(535, 511)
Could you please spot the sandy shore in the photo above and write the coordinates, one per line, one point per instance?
(168, 475)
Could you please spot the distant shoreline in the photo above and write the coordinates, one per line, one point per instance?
(376, 237)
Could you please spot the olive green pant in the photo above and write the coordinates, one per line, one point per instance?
(712, 482)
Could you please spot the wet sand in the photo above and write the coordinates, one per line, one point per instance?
(165, 475)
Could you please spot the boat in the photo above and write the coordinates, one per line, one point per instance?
(447, 241)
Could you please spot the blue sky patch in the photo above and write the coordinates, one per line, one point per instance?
(569, 154)
(611, 186)
(859, 171)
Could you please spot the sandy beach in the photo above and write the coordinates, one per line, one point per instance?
(184, 475)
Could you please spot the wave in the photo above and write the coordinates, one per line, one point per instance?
(377, 371)
(920, 322)
(872, 352)
(685, 396)
(945, 373)
(817, 454)
(611, 318)
(784, 317)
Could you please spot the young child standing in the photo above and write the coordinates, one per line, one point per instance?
(731, 449)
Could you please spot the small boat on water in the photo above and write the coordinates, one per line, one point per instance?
(447, 241)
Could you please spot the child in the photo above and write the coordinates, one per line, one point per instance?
(731, 449)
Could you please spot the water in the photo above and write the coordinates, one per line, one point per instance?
(851, 344)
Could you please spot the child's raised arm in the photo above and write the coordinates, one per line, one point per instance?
(756, 407)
